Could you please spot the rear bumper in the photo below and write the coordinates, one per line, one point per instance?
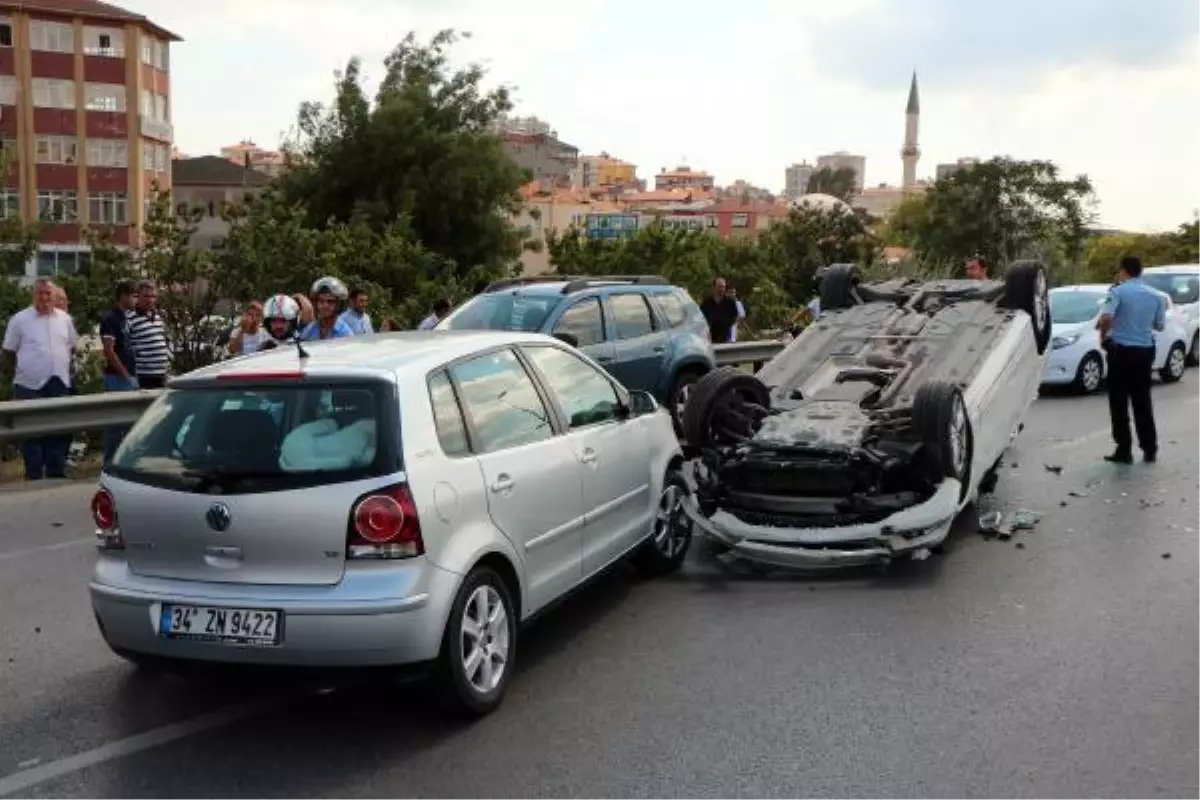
(922, 526)
(355, 623)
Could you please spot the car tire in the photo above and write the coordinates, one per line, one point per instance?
(1090, 374)
(671, 534)
(1175, 365)
(839, 287)
(941, 420)
(1193, 359)
(481, 592)
(724, 391)
(681, 386)
(1027, 287)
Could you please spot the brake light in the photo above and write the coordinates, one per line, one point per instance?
(260, 376)
(384, 524)
(104, 514)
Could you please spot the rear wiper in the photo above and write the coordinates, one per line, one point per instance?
(223, 476)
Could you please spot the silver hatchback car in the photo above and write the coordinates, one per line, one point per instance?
(403, 499)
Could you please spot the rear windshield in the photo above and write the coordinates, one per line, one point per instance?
(242, 439)
(1070, 307)
(503, 311)
(1181, 287)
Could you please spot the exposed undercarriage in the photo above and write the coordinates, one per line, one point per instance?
(858, 421)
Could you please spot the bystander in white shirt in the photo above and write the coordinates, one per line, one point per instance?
(42, 343)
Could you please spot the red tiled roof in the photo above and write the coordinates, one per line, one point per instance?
(88, 9)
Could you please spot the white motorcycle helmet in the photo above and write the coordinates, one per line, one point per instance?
(281, 314)
(330, 285)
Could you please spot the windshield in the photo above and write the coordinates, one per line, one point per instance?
(260, 438)
(1074, 306)
(1180, 287)
(502, 311)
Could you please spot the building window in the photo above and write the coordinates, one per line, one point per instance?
(108, 42)
(58, 206)
(10, 204)
(107, 153)
(154, 157)
(154, 53)
(57, 150)
(153, 106)
(104, 97)
(5, 32)
(741, 220)
(108, 208)
(54, 37)
(8, 90)
(53, 93)
(60, 262)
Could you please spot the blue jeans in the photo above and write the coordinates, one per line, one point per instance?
(46, 456)
(113, 436)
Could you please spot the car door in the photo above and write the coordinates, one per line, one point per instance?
(614, 458)
(531, 475)
(584, 319)
(640, 343)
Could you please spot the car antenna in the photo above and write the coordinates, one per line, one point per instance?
(300, 351)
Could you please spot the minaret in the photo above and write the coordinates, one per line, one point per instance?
(911, 152)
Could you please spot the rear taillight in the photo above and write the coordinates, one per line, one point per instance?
(104, 514)
(384, 524)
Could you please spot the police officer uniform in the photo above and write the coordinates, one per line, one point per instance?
(1135, 312)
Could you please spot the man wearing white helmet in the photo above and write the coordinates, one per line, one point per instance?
(328, 299)
(281, 314)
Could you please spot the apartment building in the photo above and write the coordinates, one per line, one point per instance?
(85, 120)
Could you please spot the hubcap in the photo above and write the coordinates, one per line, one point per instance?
(1176, 362)
(958, 438)
(1040, 302)
(670, 532)
(485, 639)
(1091, 374)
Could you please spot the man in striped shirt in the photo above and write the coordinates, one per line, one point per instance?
(149, 338)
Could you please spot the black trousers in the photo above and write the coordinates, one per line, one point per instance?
(1129, 371)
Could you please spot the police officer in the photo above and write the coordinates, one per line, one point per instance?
(1131, 314)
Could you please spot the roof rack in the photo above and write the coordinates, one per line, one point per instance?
(579, 284)
(510, 283)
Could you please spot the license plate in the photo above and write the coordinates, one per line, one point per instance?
(236, 625)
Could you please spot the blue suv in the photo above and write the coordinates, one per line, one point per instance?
(648, 334)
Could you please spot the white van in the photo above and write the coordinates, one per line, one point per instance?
(1182, 283)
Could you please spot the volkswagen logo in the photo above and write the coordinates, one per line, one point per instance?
(218, 517)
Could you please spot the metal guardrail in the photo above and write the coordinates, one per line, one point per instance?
(21, 419)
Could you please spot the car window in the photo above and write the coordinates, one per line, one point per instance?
(585, 396)
(631, 316)
(1074, 306)
(1182, 289)
(502, 311)
(500, 399)
(672, 307)
(252, 439)
(584, 320)
(447, 416)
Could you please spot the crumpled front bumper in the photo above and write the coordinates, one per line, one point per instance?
(903, 533)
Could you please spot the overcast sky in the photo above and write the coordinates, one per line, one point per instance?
(1104, 87)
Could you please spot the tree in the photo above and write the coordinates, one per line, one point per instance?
(1103, 254)
(842, 182)
(424, 156)
(1001, 209)
(814, 237)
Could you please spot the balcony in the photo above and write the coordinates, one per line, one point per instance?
(156, 129)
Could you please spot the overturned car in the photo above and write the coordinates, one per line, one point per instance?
(866, 435)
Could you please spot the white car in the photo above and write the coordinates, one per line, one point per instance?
(1076, 358)
(388, 501)
(863, 439)
(1181, 282)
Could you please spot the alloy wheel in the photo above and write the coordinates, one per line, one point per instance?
(485, 639)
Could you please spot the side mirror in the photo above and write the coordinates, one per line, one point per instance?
(642, 403)
(567, 338)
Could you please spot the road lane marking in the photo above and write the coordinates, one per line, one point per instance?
(23, 779)
(46, 548)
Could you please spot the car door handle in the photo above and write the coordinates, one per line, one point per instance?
(660, 349)
(588, 456)
(604, 359)
(502, 483)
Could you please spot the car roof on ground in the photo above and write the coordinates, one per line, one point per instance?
(378, 354)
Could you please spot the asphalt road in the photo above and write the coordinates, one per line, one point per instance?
(1060, 663)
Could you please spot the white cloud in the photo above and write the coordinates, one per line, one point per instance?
(741, 90)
